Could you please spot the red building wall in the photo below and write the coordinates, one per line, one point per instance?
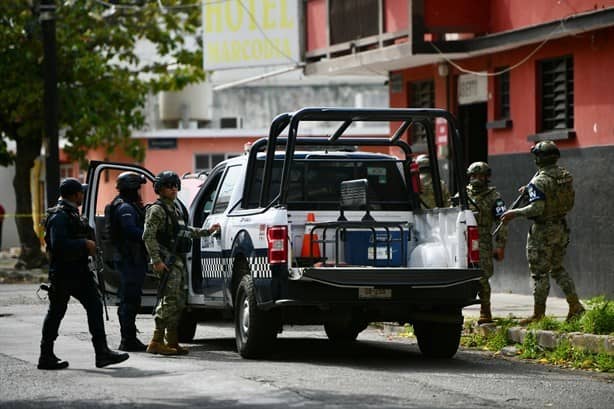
(511, 14)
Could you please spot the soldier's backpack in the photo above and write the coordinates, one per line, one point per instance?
(111, 229)
(563, 196)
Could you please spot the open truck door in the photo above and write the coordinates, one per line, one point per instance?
(101, 180)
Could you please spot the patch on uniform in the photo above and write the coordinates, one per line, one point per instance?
(534, 193)
(499, 208)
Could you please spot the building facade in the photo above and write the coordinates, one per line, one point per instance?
(513, 72)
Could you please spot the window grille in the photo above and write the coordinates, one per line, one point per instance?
(557, 95)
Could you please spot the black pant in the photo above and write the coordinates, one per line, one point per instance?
(131, 287)
(84, 290)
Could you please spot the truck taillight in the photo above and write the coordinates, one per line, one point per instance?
(277, 239)
(473, 245)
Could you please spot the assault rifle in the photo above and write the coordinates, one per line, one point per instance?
(170, 260)
(513, 206)
(99, 267)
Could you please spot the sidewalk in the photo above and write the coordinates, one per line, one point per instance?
(518, 305)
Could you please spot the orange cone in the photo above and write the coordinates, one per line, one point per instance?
(310, 248)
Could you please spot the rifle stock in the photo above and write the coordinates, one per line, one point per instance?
(99, 263)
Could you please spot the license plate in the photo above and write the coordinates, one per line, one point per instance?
(381, 293)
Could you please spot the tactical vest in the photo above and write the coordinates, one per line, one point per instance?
(78, 228)
(113, 233)
(559, 191)
(176, 236)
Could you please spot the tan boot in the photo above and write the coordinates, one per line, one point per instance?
(157, 346)
(539, 312)
(485, 315)
(575, 308)
(172, 341)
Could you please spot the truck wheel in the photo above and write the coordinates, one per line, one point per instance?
(186, 329)
(438, 339)
(343, 333)
(255, 329)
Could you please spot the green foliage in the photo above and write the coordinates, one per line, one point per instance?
(567, 355)
(530, 348)
(498, 339)
(599, 318)
(547, 323)
(102, 83)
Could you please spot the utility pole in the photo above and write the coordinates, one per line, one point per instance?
(50, 100)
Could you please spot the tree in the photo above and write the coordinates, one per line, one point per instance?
(102, 83)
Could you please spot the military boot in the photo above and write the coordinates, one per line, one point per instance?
(48, 360)
(106, 357)
(575, 308)
(172, 341)
(539, 312)
(132, 345)
(485, 315)
(157, 345)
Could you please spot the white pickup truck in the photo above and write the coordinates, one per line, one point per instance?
(317, 231)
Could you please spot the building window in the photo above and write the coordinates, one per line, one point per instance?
(205, 161)
(502, 87)
(352, 19)
(422, 95)
(66, 170)
(557, 104)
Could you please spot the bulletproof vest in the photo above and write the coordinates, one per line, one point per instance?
(78, 228)
(176, 236)
(484, 206)
(559, 191)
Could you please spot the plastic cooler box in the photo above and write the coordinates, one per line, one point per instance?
(358, 248)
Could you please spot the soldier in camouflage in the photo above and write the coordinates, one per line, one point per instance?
(551, 197)
(427, 194)
(168, 238)
(488, 206)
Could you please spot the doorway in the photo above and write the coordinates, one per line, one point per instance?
(472, 119)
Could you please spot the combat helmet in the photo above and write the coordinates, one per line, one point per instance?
(423, 161)
(166, 178)
(479, 168)
(129, 181)
(546, 153)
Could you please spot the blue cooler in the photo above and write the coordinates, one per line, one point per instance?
(358, 248)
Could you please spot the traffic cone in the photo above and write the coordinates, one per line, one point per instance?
(310, 248)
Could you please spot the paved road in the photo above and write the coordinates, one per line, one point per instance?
(305, 371)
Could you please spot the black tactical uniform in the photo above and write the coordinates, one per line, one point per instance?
(66, 236)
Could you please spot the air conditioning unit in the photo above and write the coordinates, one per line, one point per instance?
(193, 103)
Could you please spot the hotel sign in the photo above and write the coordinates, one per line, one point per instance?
(250, 33)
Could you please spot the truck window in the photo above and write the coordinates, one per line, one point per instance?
(226, 189)
(314, 183)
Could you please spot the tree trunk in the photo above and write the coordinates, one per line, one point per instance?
(31, 255)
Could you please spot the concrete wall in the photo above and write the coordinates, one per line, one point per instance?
(7, 198)
(589, 255)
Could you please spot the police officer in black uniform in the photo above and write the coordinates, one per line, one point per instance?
(130, 256)
(66, 235)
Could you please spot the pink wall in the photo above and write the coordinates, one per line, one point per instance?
(593, 92)
(510, 14)
(396, 15)
(316, 25)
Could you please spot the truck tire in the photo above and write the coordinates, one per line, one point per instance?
(255, 329)
(186, 329)
(438, 339)
(343, 333)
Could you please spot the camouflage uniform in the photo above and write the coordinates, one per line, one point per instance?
(157, 223)
(427, 194)
(551, 197)
(488, 206)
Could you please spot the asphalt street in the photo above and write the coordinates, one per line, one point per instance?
(305, 371)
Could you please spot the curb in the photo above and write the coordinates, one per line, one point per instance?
(592, 343)
(550, 339)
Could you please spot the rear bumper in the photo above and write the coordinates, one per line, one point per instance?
(397, 291)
